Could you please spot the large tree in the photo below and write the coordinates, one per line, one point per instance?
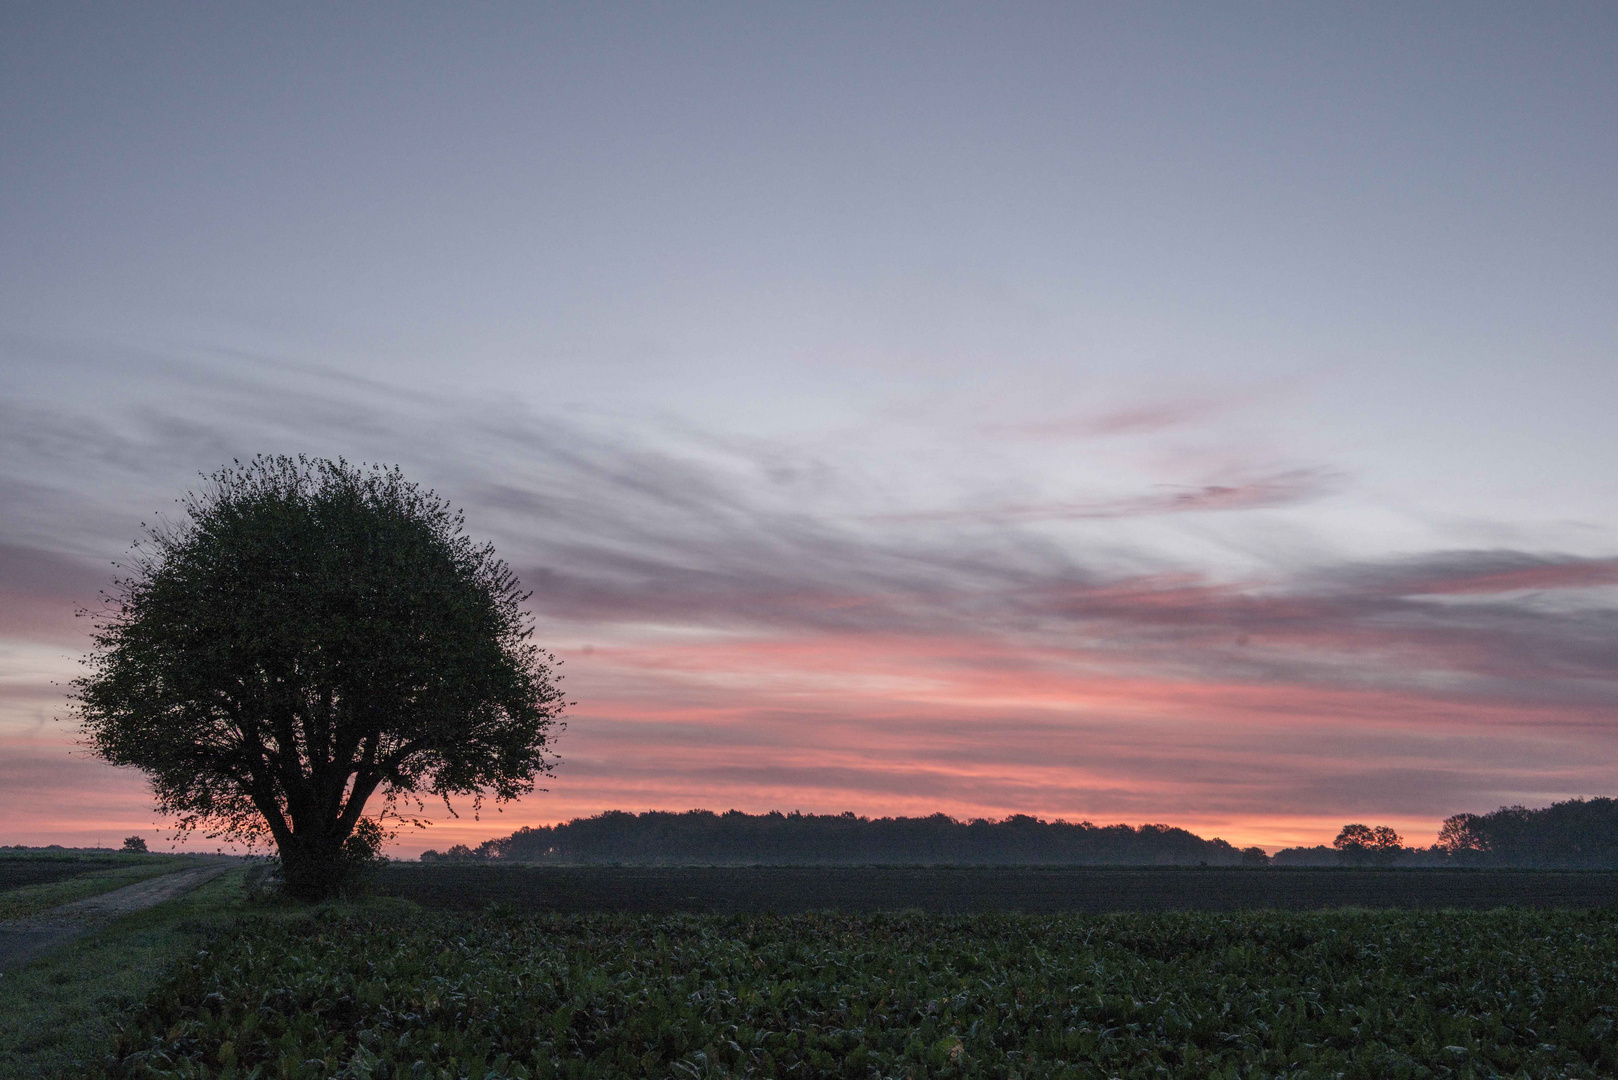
(310, 635)
(1361, 843)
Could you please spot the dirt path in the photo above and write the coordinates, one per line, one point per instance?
(23, 939)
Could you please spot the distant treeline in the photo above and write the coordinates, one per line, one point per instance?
(1578, 833)
(1575, 834)
(704, 837)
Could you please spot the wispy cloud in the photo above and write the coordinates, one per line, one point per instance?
(1284, 488)
(41, 590)
(1145, 418)
(751, 648)
(1478, 573)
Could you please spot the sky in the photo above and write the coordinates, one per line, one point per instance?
(1196, 414)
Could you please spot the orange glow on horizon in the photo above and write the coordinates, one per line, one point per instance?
(909, 724)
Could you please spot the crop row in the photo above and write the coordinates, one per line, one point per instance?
(389, 991)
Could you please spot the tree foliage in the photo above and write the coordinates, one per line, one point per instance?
(702, 836)
(1575, 833)
(310, 635)
(1362, 844)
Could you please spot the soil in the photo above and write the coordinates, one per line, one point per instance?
(1036, 890)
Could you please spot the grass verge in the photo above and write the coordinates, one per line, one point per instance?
(29, 900)
(58, 1015)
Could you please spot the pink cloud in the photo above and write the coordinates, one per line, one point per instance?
(1571, 574)
(1140, 420)
(1131, 699)
(41, 590)
(975, 726)
(759, 657)
(1278, 489)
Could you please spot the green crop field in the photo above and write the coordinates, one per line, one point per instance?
(386, 989)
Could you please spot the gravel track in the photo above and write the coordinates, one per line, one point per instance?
(21, 940)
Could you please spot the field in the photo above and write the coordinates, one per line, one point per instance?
(961, 889)
(390, 990)
(18, 872)
(34, 881)
(511, 971)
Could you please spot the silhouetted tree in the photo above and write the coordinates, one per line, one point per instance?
(1575, 833)
(1319, 855)
(310, 635)
(1461, 838)
(457, 853)
(701, 836)
(135, 845)
(1360, 844)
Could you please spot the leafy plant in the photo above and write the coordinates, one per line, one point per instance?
(387, 991)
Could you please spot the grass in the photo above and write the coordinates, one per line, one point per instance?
(387, 990)
(91, 876)
(58, 1015)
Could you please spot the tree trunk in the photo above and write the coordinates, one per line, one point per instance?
(316, 867)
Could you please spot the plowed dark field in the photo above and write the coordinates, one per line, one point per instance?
(1034, 890)
(15, 873)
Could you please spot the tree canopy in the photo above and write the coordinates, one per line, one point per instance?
(701, 836)
(311, 634)
(1575, 833)
(1361, 843)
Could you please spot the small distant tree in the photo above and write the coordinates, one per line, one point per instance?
(1360, 844)
(311, 635)
(1461, 837)
(1254, 856)
(135, 844)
